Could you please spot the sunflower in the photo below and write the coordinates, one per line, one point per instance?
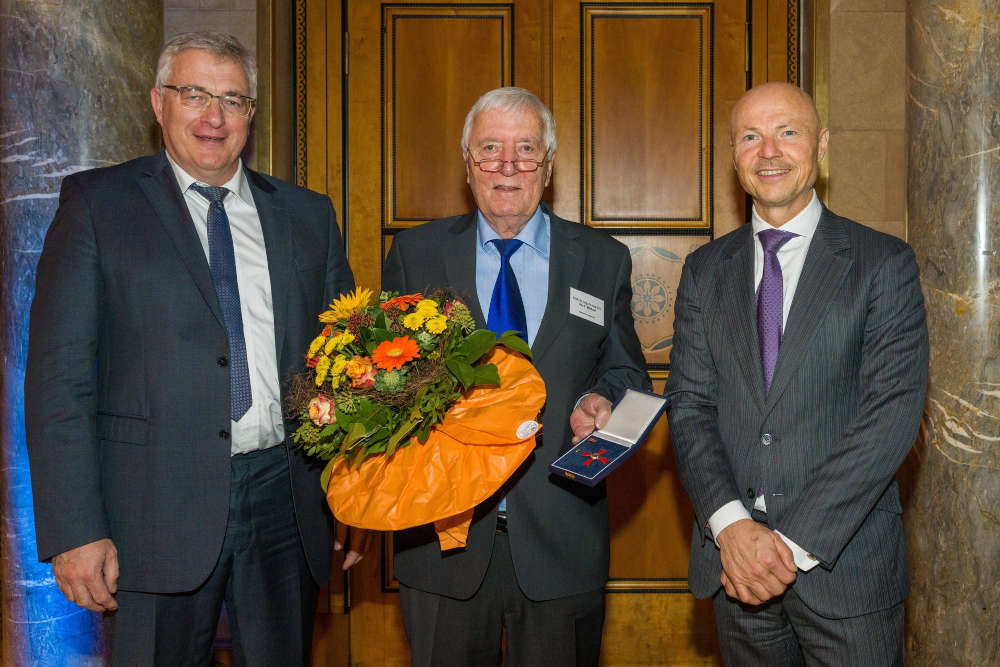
(394, 353)
(346, 305)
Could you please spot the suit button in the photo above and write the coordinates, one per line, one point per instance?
(224, 435)
(222, 361)
(765, 439)
(751, 494)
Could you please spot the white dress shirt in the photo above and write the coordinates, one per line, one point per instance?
(791, 257)
(262, 426)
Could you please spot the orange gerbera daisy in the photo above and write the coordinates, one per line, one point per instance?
(392, 354)
(403, 302)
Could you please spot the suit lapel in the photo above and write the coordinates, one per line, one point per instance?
(737, 308)
(824, 270)
(460, 262)
(160, 187)
(565, 265)
(276, 228)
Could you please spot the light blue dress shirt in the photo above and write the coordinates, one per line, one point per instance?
(531, 268)
(530, 264)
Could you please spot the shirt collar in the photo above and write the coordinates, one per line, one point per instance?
(804, 224)
(534, 234)
(238, 184)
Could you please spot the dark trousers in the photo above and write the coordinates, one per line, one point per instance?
(444, 632)
(785, 632)
(262, 576)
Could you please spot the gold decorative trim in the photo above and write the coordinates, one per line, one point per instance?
(300, 92)
(794, 72)
(647, 586)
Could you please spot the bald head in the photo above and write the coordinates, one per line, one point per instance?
(775, 94)
(777, 140)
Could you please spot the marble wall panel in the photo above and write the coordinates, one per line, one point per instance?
(953, 204)
(75, 78)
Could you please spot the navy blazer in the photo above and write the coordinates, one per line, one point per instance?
(842, 413)
(127, 391)
(558, 529)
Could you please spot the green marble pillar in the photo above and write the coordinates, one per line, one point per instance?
(953, 206)
(74, 94)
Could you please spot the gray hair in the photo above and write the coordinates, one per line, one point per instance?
(512, 99)
(217, 43)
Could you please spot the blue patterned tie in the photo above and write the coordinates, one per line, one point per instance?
(770, 301)
(506, 307)
(222, 263)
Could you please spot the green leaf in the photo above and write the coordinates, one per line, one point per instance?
(510, 340)
(485, 374)
(476, 345)
(402, 432)
(324, 478)
(461, 370)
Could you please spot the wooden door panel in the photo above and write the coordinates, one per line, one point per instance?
(437, 61)
(647, 117)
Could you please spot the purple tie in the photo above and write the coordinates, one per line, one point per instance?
(770, 301)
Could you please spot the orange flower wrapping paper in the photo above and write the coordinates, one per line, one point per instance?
(482, 440)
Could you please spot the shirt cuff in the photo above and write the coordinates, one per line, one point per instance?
(729, 513)
(804, 560)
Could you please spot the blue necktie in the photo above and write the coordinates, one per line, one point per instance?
(770, 301)
(222, 263)
(506, 307)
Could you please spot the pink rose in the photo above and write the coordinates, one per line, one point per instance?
(321, 411)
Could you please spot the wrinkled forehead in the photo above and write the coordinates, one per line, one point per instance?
(507, 125)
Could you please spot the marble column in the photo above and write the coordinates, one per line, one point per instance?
(953, 202)
(75, 79)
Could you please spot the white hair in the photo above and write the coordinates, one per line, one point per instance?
(512, 99)
(218, 43)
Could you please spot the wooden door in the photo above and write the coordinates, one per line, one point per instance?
(641, 93)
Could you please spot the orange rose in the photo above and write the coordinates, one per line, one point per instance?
(321, 411)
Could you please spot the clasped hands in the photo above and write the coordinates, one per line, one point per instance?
(757, 565)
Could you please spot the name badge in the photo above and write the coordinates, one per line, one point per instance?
(586, 306)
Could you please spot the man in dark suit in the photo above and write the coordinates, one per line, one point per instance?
(537, 555)
(794, 407)
(174, 299)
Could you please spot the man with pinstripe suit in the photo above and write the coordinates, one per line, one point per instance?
(798, 375)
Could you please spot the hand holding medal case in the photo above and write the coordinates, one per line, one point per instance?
(593, 458)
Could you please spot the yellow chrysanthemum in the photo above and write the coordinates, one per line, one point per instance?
(322, 368)
(414, 321)
(346, 305)
(428, 307)
(437, 324)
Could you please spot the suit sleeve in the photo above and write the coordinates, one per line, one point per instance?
(693, 389)
(622, 364)
(60, 390)
(339, 277)
(393, 271)
(892, 388)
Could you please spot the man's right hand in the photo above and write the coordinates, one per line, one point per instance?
(756, 563)
(88, 575)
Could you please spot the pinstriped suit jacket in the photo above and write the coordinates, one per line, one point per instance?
(842, 413)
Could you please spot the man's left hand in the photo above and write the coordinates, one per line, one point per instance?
(358, 541)
(592, 413)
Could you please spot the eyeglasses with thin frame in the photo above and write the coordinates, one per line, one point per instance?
(491, 166)
(198, 99)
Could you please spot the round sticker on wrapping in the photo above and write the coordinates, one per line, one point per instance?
(527, 429)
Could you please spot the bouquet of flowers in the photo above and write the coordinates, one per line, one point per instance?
(383, 370)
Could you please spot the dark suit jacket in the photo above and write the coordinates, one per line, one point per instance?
(127, 390)
(843, 410)
(558, 529)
